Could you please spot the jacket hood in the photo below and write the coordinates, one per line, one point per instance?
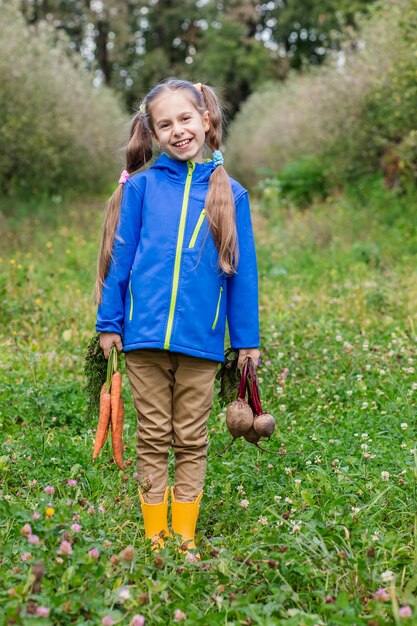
(178, 169)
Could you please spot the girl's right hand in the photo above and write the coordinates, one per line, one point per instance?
(108, 340)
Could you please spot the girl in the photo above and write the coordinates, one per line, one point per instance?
(177, 258)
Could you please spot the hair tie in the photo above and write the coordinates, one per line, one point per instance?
(218, 158)
(142, 108)
(123, 177)
(198, 87)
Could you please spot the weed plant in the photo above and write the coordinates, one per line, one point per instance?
(322, 535)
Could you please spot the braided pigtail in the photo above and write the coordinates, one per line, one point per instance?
(220, 205)
(138, 153)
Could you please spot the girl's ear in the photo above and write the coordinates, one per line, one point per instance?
(206, 121)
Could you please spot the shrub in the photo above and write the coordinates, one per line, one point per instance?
(58, 132)
(350, 111)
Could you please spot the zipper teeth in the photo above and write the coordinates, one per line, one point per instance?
(217, 309)
(177, 262)
(197, 229)
(131, 297)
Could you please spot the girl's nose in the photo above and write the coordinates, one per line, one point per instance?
(178, 130)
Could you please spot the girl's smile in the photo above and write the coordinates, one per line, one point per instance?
(179, 128)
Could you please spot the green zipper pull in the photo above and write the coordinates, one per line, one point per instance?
(197, 228)
(131, 297)
(218, 308)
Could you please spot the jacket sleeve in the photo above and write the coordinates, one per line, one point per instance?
(110, 314)
(242, 287)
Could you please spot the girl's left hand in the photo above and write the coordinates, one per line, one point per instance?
(244, 353)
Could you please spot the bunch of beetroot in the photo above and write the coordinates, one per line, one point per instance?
(246, 418)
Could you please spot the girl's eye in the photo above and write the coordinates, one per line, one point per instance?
(186, 118)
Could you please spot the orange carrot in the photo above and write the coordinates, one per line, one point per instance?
(117, 436)
(115, 392)
(103, 421)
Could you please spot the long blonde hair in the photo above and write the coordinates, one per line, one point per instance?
(220, 206)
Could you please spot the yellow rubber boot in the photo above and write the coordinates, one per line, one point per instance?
(184, 519)
(155, 519)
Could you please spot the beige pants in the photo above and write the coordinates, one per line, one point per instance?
(173, 395)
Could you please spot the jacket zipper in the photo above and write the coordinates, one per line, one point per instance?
(217, 309)
(131, 297)
(197, 228)
(178, 252)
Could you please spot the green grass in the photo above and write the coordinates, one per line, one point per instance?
(304, 538)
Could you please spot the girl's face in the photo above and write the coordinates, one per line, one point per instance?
(179, 128)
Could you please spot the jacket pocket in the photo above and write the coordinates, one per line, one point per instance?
(197, 229)
(219, 301)
(131, 297)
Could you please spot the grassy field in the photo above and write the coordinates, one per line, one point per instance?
(324, 534)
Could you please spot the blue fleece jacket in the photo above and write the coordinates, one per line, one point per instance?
(164, 289)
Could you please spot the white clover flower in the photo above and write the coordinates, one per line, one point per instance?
(375, 538)
(317, 459)
(385, 476)
(288, 500)
(244, 504)
(404, 425)
(239, 488)
(263, 521)
(277, 499)
(313, 437)
(298, 481)
(296, 527)
(287, 470)
(387, 576)
(124, 593)
(355, 510)
(364, 446)
(364, 436)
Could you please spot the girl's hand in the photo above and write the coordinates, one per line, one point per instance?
(108, 340)
(244, 353)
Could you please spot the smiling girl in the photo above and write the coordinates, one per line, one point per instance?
(177, 260)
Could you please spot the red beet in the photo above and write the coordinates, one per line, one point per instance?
(264, 424)
(252, 436)
(239, 418)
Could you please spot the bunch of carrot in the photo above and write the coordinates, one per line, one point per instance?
(111, 414)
